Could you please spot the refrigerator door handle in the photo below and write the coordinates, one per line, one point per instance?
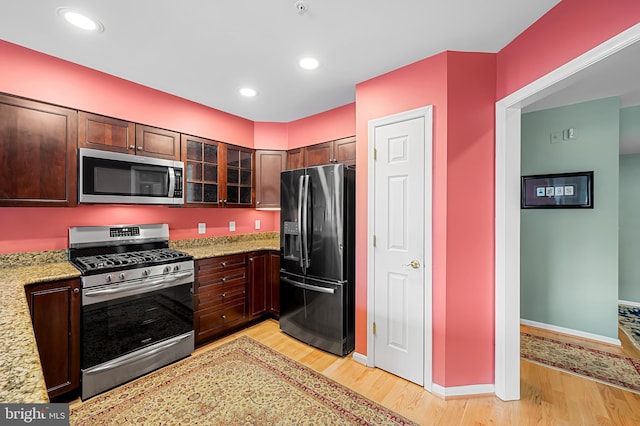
(308, 286)
(300, 225)
(305, 221)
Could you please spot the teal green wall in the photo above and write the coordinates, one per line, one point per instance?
(629, 289)
(629, 262)
(630, 123)
(569, 257)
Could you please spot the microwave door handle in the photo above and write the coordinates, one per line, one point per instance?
(300, 225)
(172, 181)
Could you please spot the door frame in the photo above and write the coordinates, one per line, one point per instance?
(507, 206)
(426, 113)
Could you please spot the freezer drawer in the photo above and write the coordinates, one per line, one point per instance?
(317, 312)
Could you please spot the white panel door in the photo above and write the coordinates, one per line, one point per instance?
(401, 230)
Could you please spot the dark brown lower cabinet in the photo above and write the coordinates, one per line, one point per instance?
(55, 314)
(233, 291)
(274, 283)
(220, 299)
(258, 280)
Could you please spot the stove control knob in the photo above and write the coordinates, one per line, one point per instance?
(121, 276)
(167, 269)
(176, 268)
(146, 273)
(108, 278)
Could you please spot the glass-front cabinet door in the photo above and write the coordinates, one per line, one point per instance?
(239, 185)
(202, 171)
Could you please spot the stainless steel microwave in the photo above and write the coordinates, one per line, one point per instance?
(112, 177)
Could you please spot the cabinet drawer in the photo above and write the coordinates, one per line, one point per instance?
(216, 264)
(220, 280)
(210, 322)
(220, 295)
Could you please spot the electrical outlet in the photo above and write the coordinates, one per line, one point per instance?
(202, 228)
(232, 226)
(257, 223)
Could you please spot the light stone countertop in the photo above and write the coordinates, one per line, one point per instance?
(21, 377)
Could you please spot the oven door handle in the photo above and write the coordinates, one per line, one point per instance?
(136, 357)
(147, 285)
(152, 285)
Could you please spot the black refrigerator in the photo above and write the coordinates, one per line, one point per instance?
(317, 256)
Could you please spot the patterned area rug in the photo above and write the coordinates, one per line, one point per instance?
(241, 382)
(605, 367)
(629, 322)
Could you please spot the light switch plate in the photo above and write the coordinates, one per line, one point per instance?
(232, 226)
(202, 228)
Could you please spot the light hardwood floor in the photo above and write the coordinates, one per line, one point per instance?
(548, 396)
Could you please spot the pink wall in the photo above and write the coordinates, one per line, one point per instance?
(47, 228)
(461, 267)
(422, 83)
(34, 75)
(568, 30)
(31, 74)
(329, 125)
(270, 135)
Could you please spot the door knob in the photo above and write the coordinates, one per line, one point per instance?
(414, 264)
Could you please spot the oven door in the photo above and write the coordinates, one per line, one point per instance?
(126, 337)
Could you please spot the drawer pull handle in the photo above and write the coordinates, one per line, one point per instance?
(224, 263)
(224, 295)
(223, 316)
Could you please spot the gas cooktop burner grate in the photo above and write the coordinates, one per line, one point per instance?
(105, 261)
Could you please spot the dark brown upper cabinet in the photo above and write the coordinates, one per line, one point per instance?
(106, 133)
(111, 134)
(269, 164)
(202, 171)
(158, 143)
(37, 153)
(344, 151)
(295, 158)
(331, 152)
(318, 154)
(217, 174)
(239, 184)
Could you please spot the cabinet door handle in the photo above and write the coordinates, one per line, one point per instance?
(139, 148)
(223, 316)
(132, 147)
(224, 295)
(76, 290)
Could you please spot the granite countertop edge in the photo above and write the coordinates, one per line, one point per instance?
(21, 376)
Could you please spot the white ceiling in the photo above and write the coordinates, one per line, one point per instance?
(205, 50)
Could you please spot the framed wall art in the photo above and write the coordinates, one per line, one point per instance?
(557, 191)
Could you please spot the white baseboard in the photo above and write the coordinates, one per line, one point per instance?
(626, 302)
(362, 359)
(463, 391)
(571, 332)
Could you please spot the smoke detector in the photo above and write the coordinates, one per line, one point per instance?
(301, 7)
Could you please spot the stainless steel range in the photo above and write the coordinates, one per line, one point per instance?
(137, 302)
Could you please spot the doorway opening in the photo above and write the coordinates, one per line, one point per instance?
(507, 193)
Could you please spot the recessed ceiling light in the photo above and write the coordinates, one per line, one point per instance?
(80, 20)
(309, 63)
(248, 92)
